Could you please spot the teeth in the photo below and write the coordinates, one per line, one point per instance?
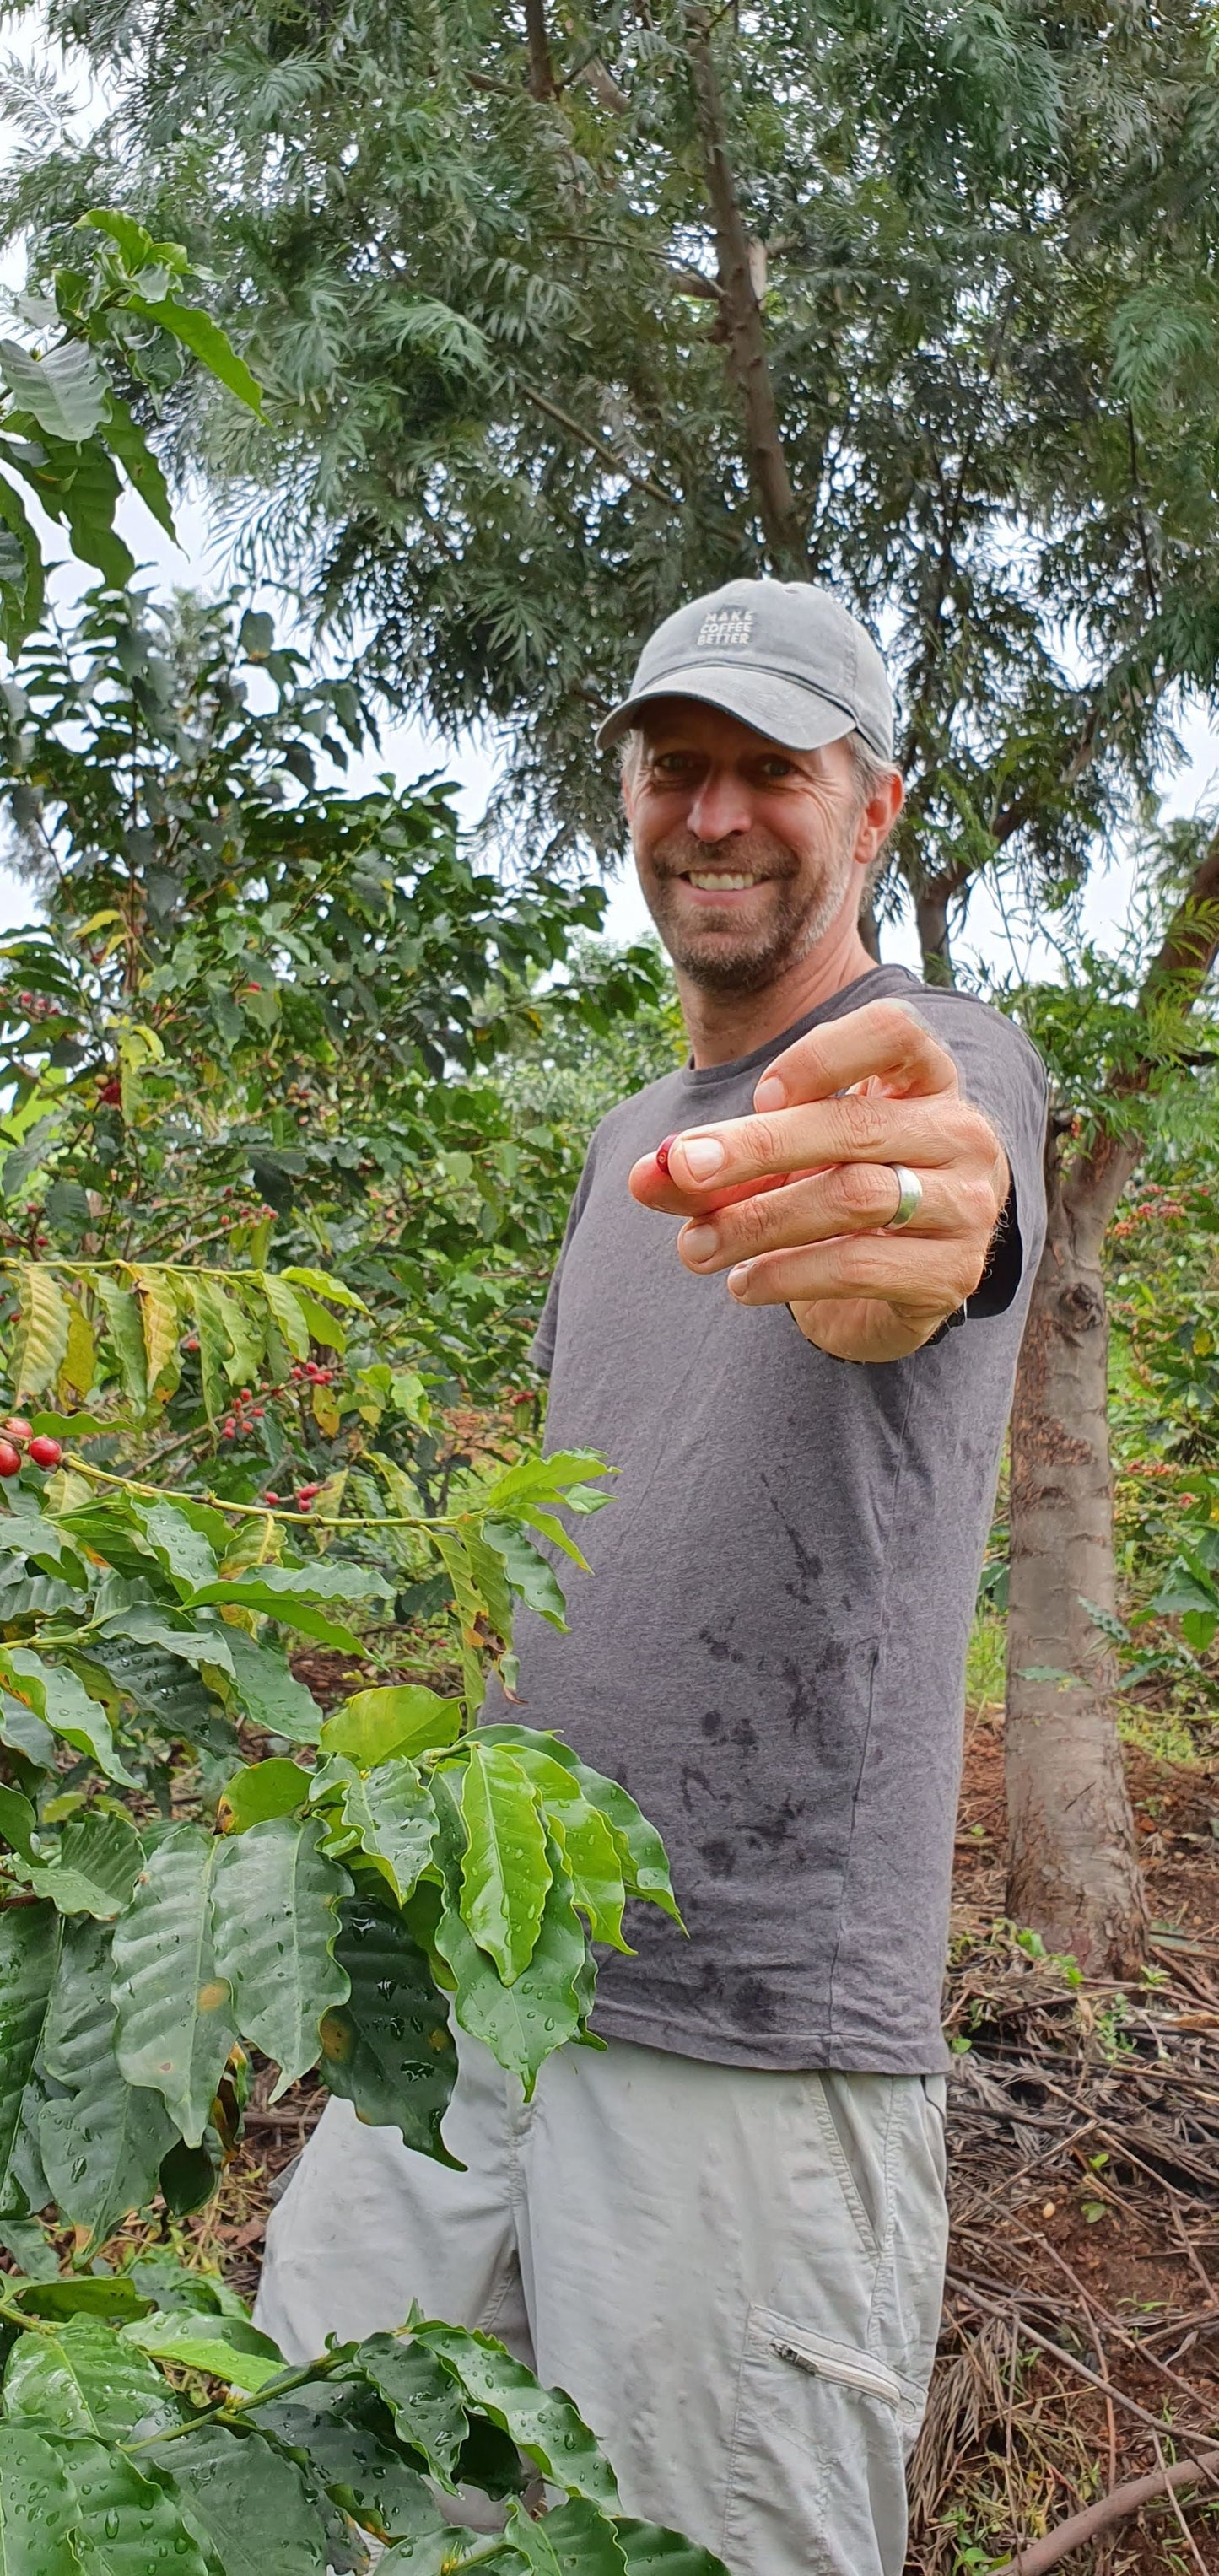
(718, 881)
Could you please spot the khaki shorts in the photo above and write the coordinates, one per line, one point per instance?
(737, 2276)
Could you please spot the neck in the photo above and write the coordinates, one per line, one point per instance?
(722, 1026)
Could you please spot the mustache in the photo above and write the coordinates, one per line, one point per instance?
(743, 853)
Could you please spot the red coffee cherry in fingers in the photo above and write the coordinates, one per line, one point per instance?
(17, 1428)
(662, 1150)
(10, 1459)
(45, 1452)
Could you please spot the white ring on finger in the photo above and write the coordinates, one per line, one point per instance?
(909, 1197)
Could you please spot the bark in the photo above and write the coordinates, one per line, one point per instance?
(1072, 1865)
(931, 915)
(542, 81)
(740, 272)
(1072, 1870)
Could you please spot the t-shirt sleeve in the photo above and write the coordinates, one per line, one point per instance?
(542, 1347)
(1002, 1074)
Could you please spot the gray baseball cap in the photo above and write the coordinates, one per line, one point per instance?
(782, 655)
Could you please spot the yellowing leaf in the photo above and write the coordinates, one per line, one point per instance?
(157, 1291)
(79, 1364)
(43, 1326)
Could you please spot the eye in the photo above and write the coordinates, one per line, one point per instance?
(774, 766)
(673, 764)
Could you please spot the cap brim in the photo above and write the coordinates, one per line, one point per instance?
(782, 710)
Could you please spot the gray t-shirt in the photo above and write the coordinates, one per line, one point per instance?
(769, 1653)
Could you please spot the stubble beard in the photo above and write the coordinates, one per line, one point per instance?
(731, 960)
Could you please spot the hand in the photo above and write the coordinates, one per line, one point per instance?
(793, 1203)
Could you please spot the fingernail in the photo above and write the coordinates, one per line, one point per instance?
(738, 1279)
(700, 1241)
(704, 1155)
(770, 1093)
(662, 1150)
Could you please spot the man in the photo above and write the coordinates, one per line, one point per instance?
(725, 2235)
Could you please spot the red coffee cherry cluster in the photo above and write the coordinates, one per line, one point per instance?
(243, 1415)
(18, 1435)
(302, 1498)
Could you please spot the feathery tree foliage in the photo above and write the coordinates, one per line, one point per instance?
(565, 315)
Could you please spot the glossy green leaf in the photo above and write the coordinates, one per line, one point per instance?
(229, 2348)
(505, 1873)
(94, 1867)
(276, 1922)
(285, 1306)
(426, 2403)
(207, 342)
(269, 1692)
(83, 2294)
(595, 1854)
(529, 1572)
(650, 2550)
(29, 1951)
(66, 390)
(580, 2539)
(530, 2544)
(121, 1308)
(18, 1822)
(21, 576)
(82, 2378)
(388, 2048)
(521, 2024)
(274, 1788)
(128, 2526)
(542, 2422)
(60, 1699)
(646, 1868)
(405, 1718)
(180, 1548)
(176, 2024)
(102, 2139)
(127, 441)
(338, 2427)
(392, 1811)
(37, 2507)
(323, 1285)
(166, 2283)
(252, 2503)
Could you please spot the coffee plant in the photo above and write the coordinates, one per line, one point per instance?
(368, 1878)
(252, 1008)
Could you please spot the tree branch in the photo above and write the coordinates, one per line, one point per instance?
(1179, 968)
(599, 446)
(748, 357)
(1080, 2528)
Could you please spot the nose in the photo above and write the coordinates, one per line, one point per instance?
(720, 806)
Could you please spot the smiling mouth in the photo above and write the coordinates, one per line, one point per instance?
(720, 881)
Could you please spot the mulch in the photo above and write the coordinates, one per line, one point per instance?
(1080, 2346)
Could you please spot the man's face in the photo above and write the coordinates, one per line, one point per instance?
(745, 850)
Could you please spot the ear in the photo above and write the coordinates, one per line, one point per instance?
(879, 816)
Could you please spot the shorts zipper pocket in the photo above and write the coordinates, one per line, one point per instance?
(849, 2370)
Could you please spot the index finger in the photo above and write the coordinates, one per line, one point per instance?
(886, 1039)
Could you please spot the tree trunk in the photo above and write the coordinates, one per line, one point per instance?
(1073, 1873)
(931, 916)
(542, 81)
(1072, 1867)
(739, 266)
